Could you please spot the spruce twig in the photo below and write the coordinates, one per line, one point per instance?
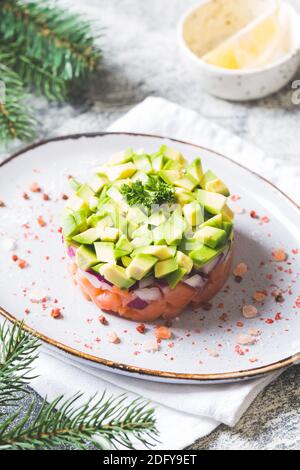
(97, 421)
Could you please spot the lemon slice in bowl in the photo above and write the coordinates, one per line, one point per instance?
(251, 46)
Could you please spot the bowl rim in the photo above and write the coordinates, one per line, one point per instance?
(233, 72)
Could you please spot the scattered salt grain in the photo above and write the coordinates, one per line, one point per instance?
(151, 346)
(259, 296)
(240, 270)
(113, 338)
(245, 340)
(249, 311)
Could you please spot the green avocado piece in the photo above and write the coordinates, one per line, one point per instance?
(212, 202)
(187, 182)
(85, 257)
(140, 242)
(211, 236)
(194, 213)
(124, 245)
(85, 192)
(121, 157)
(97, 182)
(105, 252)
(93, 203)
(140, 266)
(172, 165)
(142, 163)
(204, 255)
(105, 221)
(175, 277)
(227, 214)
(73, 223)
(117, 275)
(228, 226)
(159, 235)
(207, 177)
(161, 252)
(195, 169)
(183, 196)
(76, 203)
(173, 154)
(157, 162)
(190, 244)
(170, 176)
(117, 172)
(174, 229)
(218, 186)
(136, 215)
(74, 184)
(97, 268)
(108, 234)
(157, 218)
(87, 238)
(215, 221)
(126, 260)
(140, 176)
(114, 194)
(163, 268)
(184, 261)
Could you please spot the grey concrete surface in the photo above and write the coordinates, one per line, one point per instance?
(141, 58)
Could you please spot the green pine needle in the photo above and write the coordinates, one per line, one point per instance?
(16, 120)
(102, 422)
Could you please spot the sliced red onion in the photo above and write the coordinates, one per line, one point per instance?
(149, 281)
(138, 304)
(213, 264)
(98, 276)
(148, 294)
(196, 281)
(71, 251)
(95, 279)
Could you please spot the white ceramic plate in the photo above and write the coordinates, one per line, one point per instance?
(205, 345)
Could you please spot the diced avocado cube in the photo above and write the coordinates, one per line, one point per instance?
(121, 157)
(184, 261)
(120, 222)
(228, 226)
(142, 163)
(117, 276)
(126, 260)
(161, 252)
(93, 203)
(114, 194)
(211, 236)
(105, 252)
(204, 255)
(97, 267)
(159, 235)
(170, 176)
(142, 232)
(140, 266)
(163, 268)
(157, 162)
(190, 244)
(131, 227)
(140, 176)
(206, 178)
(215, 221)
(73, 223)
(75, 203)
(183, 196)
(140, 241)
(195, 169)
(175, 277)
(97, 182)
(227, 214)
(157, 218)
(194, 213)
(173, 154)
(117, 172)
(174, 229)
(124, 245)
(108, 234)
(85, 257)
(136, 215)
(218, 186)
(74, 184)
(172, 165)
(187, 182)
(85, 192)
(213, 202)
(87, 238)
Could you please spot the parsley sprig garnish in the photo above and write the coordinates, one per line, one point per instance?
(154, 192)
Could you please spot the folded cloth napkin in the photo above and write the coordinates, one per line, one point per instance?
(184, 412)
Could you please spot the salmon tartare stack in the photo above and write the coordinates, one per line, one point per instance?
(149, 234)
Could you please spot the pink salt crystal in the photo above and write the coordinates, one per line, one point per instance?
(113, 337)
(249, 311)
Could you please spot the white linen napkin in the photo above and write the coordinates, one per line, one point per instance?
(184, 412)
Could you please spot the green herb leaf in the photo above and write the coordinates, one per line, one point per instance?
(155, 192)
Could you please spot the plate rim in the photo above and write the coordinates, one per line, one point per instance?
(212, 378)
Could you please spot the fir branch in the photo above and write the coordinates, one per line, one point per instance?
(63, 421)
(97, 422)
(17, 353)
(54, 45)
(16, 121)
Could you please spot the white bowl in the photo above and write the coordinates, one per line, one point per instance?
(244, 85)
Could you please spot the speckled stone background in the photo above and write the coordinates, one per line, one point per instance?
(141, 58)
